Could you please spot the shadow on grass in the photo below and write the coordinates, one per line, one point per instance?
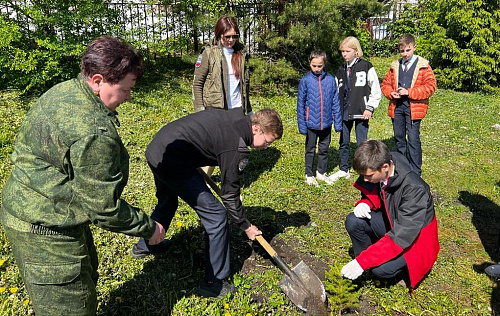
(171, 276)
(486, 219)
(258, 162)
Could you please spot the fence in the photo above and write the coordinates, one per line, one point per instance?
(178, 27)
(173, 28)
(378, 25)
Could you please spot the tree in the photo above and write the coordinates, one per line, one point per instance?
(305, 25)
(41, 41)
(461, 39)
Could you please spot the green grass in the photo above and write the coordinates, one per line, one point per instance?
(461, 151)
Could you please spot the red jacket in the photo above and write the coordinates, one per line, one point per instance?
(408, 204)
(423, 85)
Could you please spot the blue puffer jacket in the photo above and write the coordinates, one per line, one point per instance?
(318, 105)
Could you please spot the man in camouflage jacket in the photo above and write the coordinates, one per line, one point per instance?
(70, 168)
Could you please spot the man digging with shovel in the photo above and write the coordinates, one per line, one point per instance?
(209, 138)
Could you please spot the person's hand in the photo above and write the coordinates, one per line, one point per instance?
(395, 95)
(362, 210)
(252, 231)
(366, 115)
(158, 236)
(402, 91)
(352, 270)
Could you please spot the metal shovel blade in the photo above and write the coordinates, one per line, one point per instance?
(307, 291)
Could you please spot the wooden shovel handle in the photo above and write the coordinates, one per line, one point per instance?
(279, 261)
(266, 245)
(210, 182)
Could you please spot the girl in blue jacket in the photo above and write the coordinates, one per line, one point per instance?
(318, 107)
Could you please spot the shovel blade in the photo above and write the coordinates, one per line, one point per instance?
(307, 288)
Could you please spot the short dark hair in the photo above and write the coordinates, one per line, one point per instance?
(406, 39)
(318, 54)
(112, 58)
(371, 154)
(270, 122)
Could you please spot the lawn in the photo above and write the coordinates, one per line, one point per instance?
(461, 150)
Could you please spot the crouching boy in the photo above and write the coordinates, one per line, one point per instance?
(393, 226)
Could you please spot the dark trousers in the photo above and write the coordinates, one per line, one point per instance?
(361, 127)
(59, 268)
(323, 139)
(364, 232)
(194, 191)
(407, 136)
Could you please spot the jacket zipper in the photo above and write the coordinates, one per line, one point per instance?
(321, 100)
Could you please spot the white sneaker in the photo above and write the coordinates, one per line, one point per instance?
(312, 181)
(323, 177)
(339, 174)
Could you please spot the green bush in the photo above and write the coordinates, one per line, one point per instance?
(273, 77)
(41, 41)
(383, 48)
(462, 41)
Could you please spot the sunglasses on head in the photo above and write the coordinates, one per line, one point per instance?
(235, 37)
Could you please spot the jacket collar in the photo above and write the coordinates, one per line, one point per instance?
(401, 170)
(322, 74)
(243, 126)
(113, 115)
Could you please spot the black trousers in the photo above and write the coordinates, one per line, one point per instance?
(323, 139)
(364, 232)
(407, 136)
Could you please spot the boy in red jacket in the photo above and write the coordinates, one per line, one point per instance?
(393, 227)
(408, 85)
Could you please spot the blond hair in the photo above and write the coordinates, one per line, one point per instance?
(352, 43)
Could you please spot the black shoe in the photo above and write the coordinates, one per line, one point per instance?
(493, 271)
(142, 248)
(217, 289)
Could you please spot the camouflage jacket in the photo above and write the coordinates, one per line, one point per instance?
(70, 165)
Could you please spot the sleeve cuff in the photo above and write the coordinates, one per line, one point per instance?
(244, 225)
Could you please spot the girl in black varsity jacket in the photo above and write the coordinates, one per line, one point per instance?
(359, 94)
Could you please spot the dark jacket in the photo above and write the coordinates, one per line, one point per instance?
(363, 92)
(210, 88)
(318, 105)
(70, 166)
(408, 204)
(207, 138)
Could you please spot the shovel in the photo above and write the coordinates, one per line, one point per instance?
(302, 286)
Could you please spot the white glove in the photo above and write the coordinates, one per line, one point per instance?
(362, 210)
(352, 270)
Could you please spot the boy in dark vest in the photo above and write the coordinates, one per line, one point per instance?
(408, 85)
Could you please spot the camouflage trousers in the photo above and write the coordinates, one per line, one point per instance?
(58, 267)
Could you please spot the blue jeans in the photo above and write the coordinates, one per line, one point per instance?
(324, 136)
(407, 136)
(361, 127)
(193, 190)
(364, 232)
